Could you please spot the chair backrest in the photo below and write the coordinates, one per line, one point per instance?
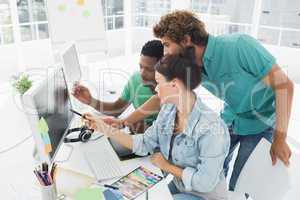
(262, 181)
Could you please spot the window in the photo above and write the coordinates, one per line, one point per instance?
(280, 23)
(147, 12)
(113, 11)
(32, 19)
(6, 26)
(225, 16)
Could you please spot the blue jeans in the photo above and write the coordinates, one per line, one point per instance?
(247, 145)
(177, 195)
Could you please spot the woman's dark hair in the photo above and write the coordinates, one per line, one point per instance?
(182, 66)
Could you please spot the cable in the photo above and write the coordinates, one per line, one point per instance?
(69, 156)
(15, 145)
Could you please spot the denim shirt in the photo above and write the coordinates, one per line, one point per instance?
(200, 150)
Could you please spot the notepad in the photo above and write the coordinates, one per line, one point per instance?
(43, 129)
(89, 194)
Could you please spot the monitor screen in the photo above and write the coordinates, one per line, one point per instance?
(71, 65)
(52, 103)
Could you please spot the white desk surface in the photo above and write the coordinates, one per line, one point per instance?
(17, 181)
(76, 162)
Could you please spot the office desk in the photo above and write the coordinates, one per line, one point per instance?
(17, 180)
(76, 162)
(16, 169)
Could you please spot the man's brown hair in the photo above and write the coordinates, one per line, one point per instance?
(177, 24)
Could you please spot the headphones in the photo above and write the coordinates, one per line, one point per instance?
(84, 135)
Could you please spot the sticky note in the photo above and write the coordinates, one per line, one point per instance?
(43, 130)
(62, 7)
(89, 194)
(81, 2)
(43, 126)
(46, 138)
(86, 13)
(48, 148)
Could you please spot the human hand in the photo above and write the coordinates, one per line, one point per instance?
(159, 161)
(114, 122)
(97, 123)
(280, 149)
(82, 93)
(138, 127)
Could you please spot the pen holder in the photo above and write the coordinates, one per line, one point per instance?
(49, 192)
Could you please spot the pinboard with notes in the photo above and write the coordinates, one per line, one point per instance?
(79, 21)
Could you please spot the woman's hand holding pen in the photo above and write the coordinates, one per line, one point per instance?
(114, 122)
(97, 123)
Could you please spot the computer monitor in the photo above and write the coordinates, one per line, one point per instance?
(47, 104)
(71, 64)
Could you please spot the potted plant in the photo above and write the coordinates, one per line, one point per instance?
(21, 83)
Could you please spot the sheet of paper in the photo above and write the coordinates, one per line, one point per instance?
(89, 194)
(70, 182)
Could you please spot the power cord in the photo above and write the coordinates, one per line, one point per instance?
(15, 145)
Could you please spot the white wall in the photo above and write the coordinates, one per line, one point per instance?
(289, 59)
(8, 62)
(140, 37)
(24, 56)
(39, 54)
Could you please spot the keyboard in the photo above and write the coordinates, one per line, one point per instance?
(103, 161)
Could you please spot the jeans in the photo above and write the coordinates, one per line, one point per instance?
(247, 145)
(177, 195)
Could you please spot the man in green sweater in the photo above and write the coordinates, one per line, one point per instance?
(139, 88)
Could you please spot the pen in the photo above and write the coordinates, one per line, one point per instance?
(46, 178)
(42, 177)
(111, 187)
(38, 177)
(77, 113)
(52, 172)
(45, 167)
(147, 195)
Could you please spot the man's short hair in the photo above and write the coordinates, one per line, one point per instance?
(153, 48)
(178, 24)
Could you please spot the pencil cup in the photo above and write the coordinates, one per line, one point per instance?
(49, 192)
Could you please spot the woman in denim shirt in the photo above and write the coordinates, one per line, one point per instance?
(188, 139)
